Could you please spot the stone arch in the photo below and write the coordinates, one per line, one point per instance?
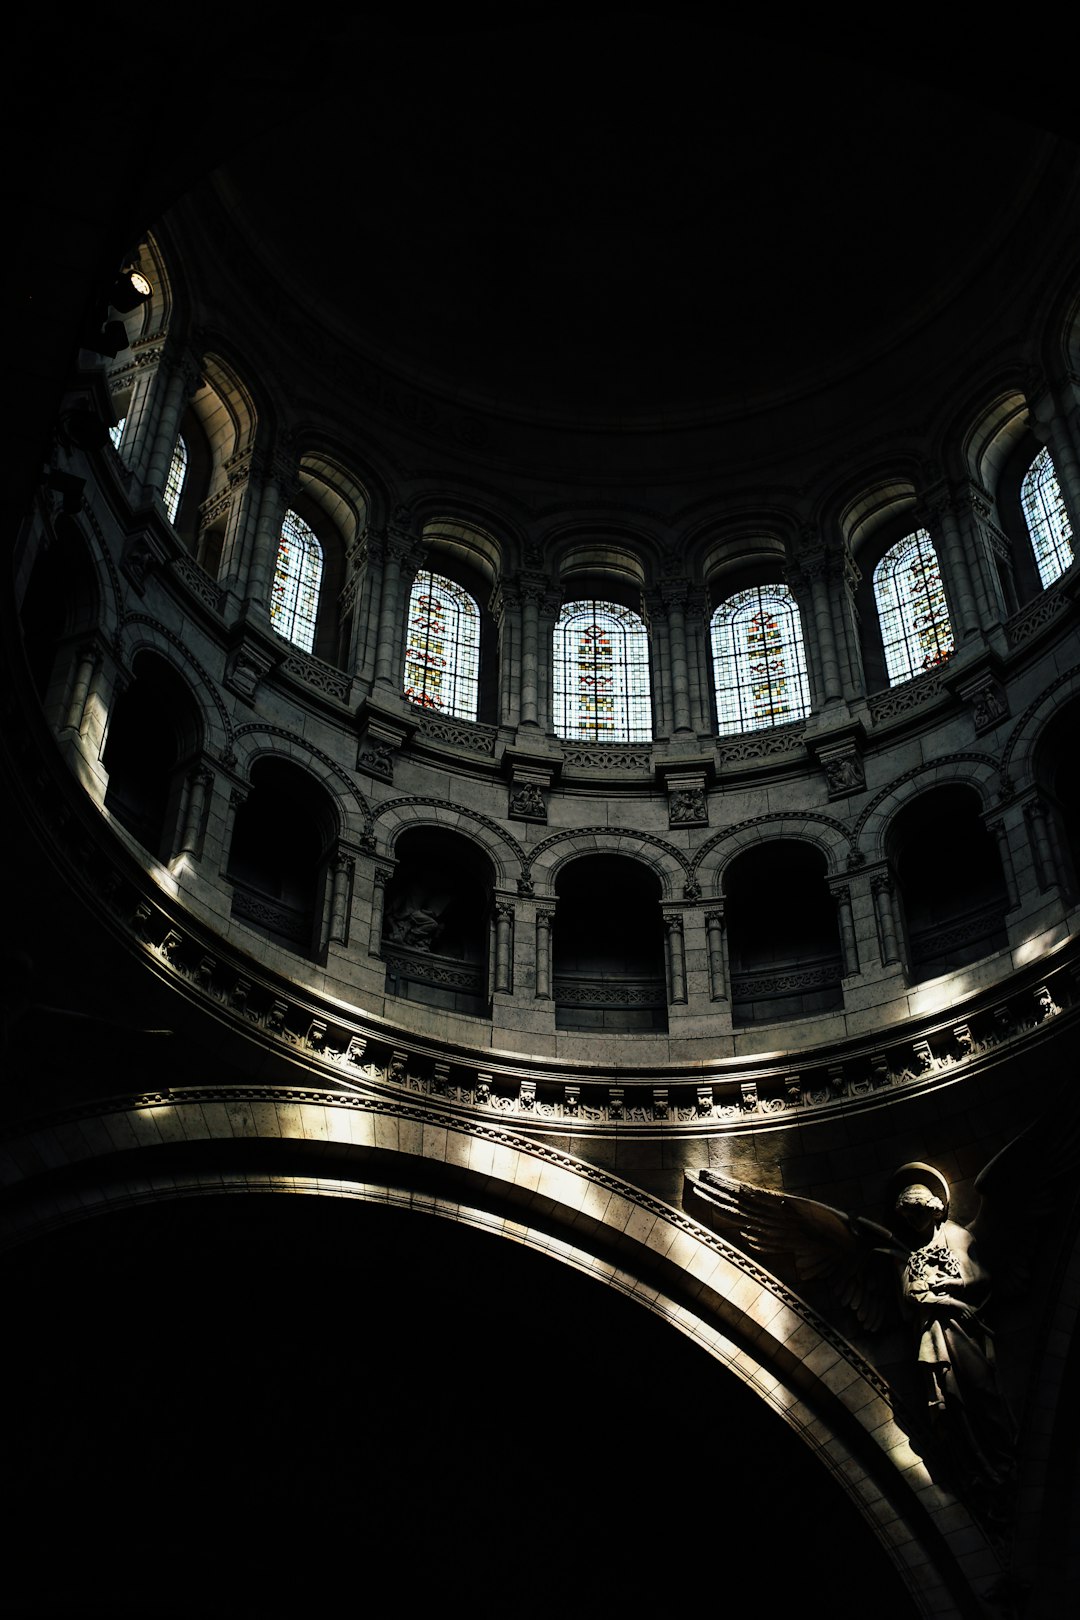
(555, 852)
(1018, 755)
(350, 810)
(140, 633)
(833, 838)
(982, 773)
(411, 1155)
(506, 855)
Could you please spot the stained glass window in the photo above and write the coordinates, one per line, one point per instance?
(759, 664)
(116, 433)
(442, 651)
(294, 597)
(1046, 518)
(174, 484)
(601, 674)
(912, 609)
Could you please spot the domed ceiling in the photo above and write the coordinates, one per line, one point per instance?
(632, 218)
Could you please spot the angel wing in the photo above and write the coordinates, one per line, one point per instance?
(852, 1253)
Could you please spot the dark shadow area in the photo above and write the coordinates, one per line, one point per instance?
(436, 922)
(783, 938)
(608, 946)
(951, 888)
(265, 1404)
(153, 733)
(277, 862)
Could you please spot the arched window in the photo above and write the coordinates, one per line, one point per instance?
(759, 664)
(116, 432)
(174, 484)
(601, 674)
(294, 597)
(442, 653)
(912, 610)
(1046, 518)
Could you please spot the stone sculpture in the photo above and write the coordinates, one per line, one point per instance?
(939, 1269)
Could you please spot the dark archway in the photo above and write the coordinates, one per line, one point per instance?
(282, 838)
(608, 947)
(952, 892)
(154, 733)
(783, 936)
(436, 921)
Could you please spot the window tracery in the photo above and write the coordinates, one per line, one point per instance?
(602, 688)
(913, 613)
(442, 653)
(116, 432)
(759, 661)
(1047, 520)
(294, 596)
(174, 483)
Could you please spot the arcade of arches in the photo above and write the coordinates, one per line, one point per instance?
(490, 810)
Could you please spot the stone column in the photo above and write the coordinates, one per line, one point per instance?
(714, 924)
(674, 596)
(341, 872)
(244, 473)
(843, 602)
(505, 608)
(1039, 839)
(401, 558)
(504, 946)
(144, 404)
(181, 380)
(532, 591)
(881, 888)
(279, 487)
(86, 664)
(972, 513)
(1050, 424)
(817, 569)
(820, 678)
(676, 955)
(545, 916)
(200, 784)
(848, 944)
(1001, 833)
(379, 879)
(963, 608)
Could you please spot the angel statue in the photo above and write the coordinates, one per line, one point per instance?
(939, 1269)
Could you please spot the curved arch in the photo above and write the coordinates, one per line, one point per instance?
(1018, 755)
(992, 434)
(869, 506)
(412, 1155)
(139, 631)
(396, 816)
(350, 807)
(871, 829)
(832, 837)
(548, 857)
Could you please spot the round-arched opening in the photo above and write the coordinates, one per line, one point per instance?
(783, 937)
(952, 893)
(153, 734)
(608, 947)
(282, 837)
(256, 1361)
(1057, 770)
(437, 922)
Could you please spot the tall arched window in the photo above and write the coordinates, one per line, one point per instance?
(912, 610)
(759, 664)
(174, 484)
(294, 598)
(442, 652)
(601, 674)
(1046, 518)
(116, 432)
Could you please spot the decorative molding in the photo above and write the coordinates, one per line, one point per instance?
(450, 732)
(198, 582)
(606, 757)
(325, 678)
(900, 700)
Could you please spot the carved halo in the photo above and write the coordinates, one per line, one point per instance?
(924, 1174)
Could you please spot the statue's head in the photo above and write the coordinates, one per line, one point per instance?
(919, 1207)
(921, 1196)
